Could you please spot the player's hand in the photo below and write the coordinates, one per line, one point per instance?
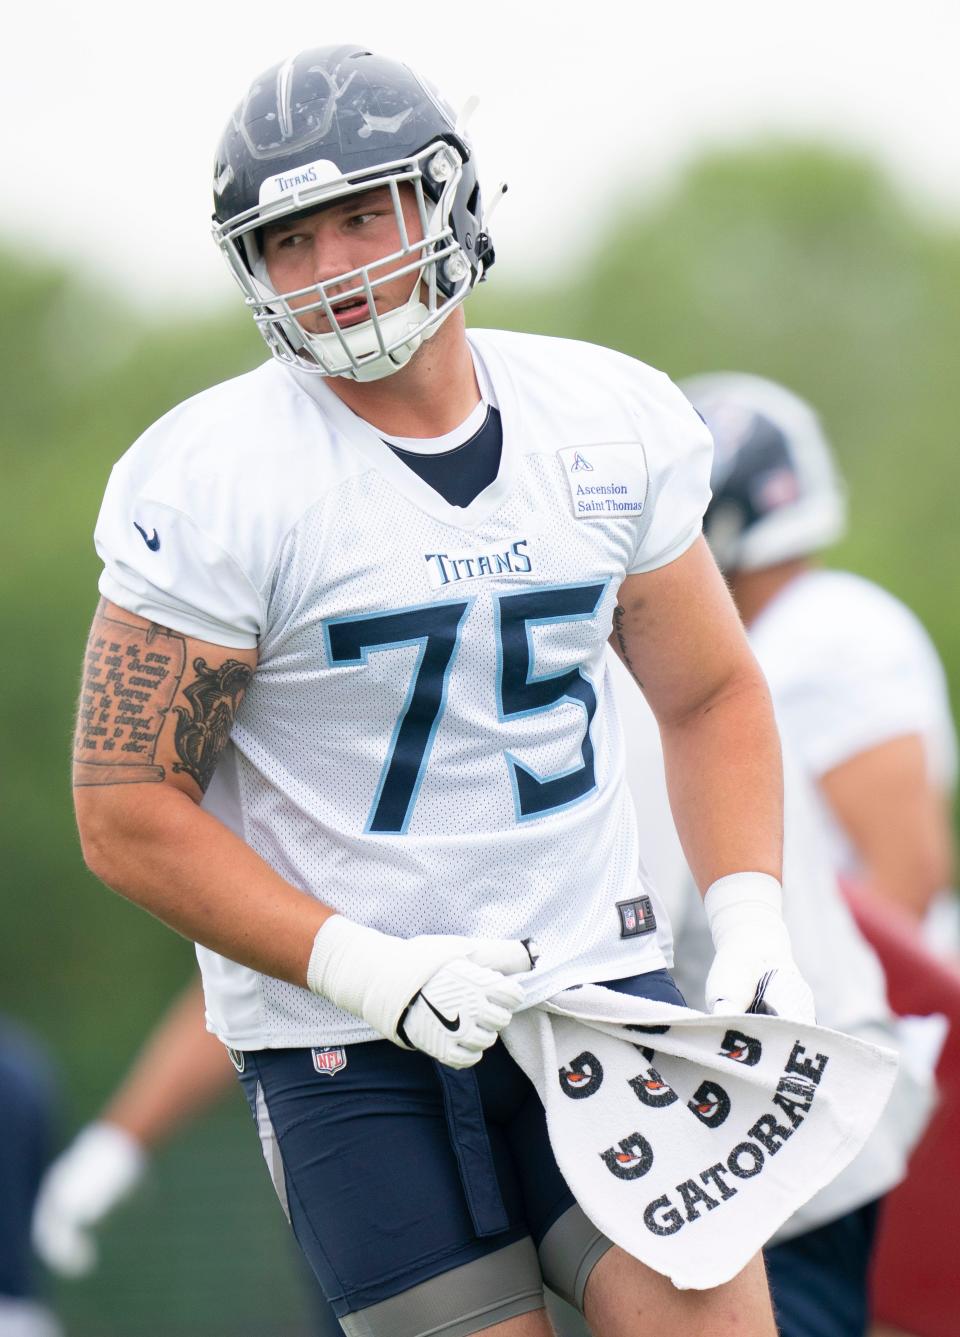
(459, 1013)
(754, 969)
(100, 1168)
(447, 995)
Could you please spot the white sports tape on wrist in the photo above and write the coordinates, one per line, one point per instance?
(741, 898)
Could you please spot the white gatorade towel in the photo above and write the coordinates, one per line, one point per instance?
(689, 1139)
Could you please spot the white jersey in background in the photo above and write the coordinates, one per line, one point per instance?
(426, 743)
(840, 966)
(850, 667)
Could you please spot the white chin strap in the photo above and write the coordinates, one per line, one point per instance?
(355, 353)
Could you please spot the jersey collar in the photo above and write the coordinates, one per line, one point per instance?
(366, 439)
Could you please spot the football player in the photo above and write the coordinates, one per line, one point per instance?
(858, 687)
(344, 720)
(861, 701)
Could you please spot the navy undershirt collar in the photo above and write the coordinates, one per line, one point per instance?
(461, 473)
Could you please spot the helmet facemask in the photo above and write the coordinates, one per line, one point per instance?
(382, 344)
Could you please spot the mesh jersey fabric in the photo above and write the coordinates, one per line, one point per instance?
(285, 522)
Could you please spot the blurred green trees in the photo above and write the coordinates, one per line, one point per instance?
(789, 261)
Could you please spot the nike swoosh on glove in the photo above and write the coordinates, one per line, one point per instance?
(754, 969)
(461, 1010)
(446, 995)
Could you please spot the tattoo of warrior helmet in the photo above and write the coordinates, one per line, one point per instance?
(202, 731)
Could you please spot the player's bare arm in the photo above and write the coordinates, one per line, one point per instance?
(897, 819)
(180, 1069)
(678, 633)
(137, 678)
(156, 710)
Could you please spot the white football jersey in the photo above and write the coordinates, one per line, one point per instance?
(426, 744)
(851, 667)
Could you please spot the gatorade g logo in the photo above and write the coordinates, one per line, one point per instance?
(741, 1048)
(652, 1089)
(710, 1104)
(582, 1077)
(631, 1159)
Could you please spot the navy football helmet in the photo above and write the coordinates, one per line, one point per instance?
(328, 123)
(777, 494)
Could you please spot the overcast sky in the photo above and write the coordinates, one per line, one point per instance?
(111, 110)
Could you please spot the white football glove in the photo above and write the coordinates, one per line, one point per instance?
(446, 995)
(101, 1167)
(754, 969)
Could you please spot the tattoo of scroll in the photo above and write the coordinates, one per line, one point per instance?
(130, 678)
(203, 730)
(619, 613)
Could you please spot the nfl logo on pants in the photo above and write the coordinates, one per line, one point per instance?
(329, 1061)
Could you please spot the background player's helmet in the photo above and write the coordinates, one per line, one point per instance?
(777, 494)
(331, 122)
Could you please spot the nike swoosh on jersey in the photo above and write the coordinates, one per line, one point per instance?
(444, 1021)
(152, 543)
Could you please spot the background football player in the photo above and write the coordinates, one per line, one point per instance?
(861, 701)
(858, 687)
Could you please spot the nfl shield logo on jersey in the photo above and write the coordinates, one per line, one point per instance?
(636, 917)
(329, 1061)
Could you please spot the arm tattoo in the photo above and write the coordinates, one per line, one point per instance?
(202, 731)
(130, 678)
(619, 613)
